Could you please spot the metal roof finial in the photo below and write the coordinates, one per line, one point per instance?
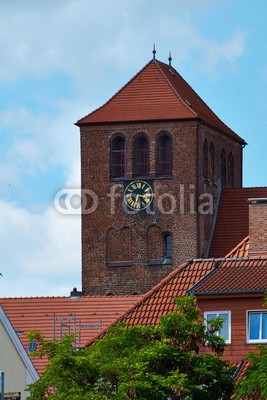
(154, 52)
(170, 59)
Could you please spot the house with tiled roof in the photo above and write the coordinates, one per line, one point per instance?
(162, 176)
(83, 316)
(232, 288)
(18, 369)
(236, 287)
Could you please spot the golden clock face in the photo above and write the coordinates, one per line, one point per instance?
(138, 195)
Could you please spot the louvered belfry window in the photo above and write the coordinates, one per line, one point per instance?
(164, 156)
(118, 157)
(141, 156)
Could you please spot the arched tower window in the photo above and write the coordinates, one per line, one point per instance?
(205, 160)
(223, 167)
(118, 157)
(212, 163)
(167, 248)
(164, 155)
(141, 156)
(230, 174)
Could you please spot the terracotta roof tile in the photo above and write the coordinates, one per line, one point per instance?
(159, 301)
(233, 219)
(36, 313)
(234, 276)
(157, 92)
(241, 250)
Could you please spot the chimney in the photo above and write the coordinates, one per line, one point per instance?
(257, 226)
(75, 294)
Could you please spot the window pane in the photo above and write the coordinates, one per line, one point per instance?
(211, 316)
(164, 156)
(264, 326)
(141, 156)
(167, 242)
(254, 326)
(118, 157)
(168, 246)
(224, 331)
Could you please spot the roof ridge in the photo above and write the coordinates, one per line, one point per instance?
(229, 189)
(157, 63)
(200, 98)
(32, 297)
(237, 247)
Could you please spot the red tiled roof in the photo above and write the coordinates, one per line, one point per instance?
(241, 375)
(157, 92)
(233, 219)
(234, 276)
(159, 300)
(241, 369)
(241, 250)
(36, 313)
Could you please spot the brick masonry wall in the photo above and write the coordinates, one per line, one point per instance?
(101, 230)
(239, 348)
(213, 185)
(258, 228)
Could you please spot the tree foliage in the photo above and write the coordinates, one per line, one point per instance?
(142, 362)
(253, 385)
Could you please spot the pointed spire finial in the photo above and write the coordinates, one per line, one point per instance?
(170, 59)
(154, 52)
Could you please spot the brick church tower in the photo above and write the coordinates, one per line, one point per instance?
(154, 160)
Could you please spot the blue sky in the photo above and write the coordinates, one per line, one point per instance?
(62, 59)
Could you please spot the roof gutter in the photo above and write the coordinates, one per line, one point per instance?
(225, 292)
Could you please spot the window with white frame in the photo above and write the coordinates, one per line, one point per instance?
(257, 326)
(225, 330)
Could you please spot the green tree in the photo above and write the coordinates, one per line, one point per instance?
(253, 385)
(142, 362)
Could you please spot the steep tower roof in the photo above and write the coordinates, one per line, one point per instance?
(157, 92)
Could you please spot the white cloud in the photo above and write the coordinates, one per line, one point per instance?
(40, 253)
(98, 45)
(227, 51)
(82, 38)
